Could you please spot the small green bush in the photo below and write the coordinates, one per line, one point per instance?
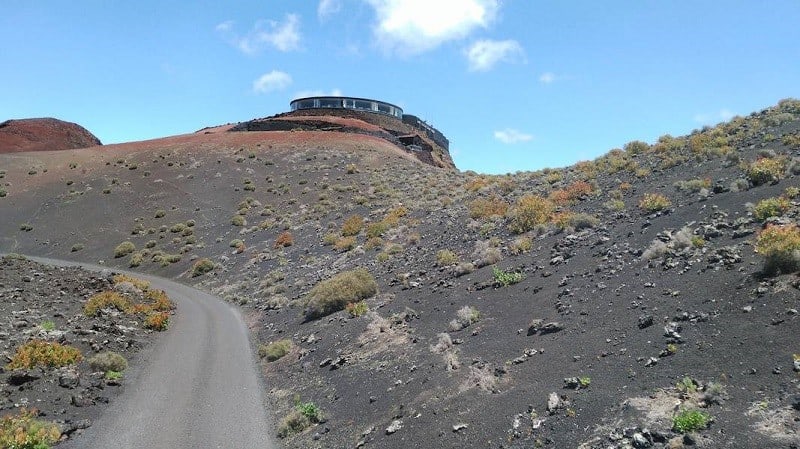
(123, 249)
(357, 309)
(275, 350)
(352, 226)
(690, 421)
(108, 361)
(445, 258)
(506, 278)
(332, 295)
(293, 423)
(237, 220)
(202, 266)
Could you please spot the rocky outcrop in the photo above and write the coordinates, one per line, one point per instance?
(43, 134)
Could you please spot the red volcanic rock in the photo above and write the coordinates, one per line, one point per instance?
(43, 134)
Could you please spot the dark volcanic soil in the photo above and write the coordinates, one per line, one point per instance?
(40, 302)
(43, 134)
(622, 317)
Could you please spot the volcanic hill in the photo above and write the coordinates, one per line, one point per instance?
(43, 134)
(648, 298)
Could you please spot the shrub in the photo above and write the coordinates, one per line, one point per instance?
(24, 431)
(376, 229)
(3, 192)
(332, 295)
(575, 221)
(202, 266)
(506, 278)
(345, 244)
(124, 248)
(310, 410)
(237, 220)
(654, 202)
(160, 300)
(528, 212)
(636, 147)
(157, 321)
(357, 309)
(573, 192)
(690, 421)
(764, 170)
(43, 353)
(352, 225)
(108, 361)
(780, 245)
(487, 207)
(770, 207)
(284, 240)
(520, 245)
(445, 258)
(464, 317)
(275, 350)
(104, 300)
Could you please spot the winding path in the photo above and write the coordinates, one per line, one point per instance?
(200, 389)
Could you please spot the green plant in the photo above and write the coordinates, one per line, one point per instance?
(486, 207)
(292, 423)
(654, 202)
(3, 192)
(528, 212)
(237, 220)
(275, 350)
(202, 266)
(310, 410)
(770, 207)
(780, 245)
(108, 361)
(332, 295)
(43, 353)
(506, 278)
(520, 245)
(23, 431)
(124, 248)
(690, 421)
(357, 309)
(47, 325)
(584, 381)
(686, 385)
(113, 375)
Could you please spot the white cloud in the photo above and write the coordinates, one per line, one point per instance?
(328, 8)
(224, 26)
(283, 36)
(274, 80)
(707, 119)
(484, 54)
(547, 77)
(410, 27)
(317, 93)
(511, 136)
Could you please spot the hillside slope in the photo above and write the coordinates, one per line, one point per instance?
(579, 307)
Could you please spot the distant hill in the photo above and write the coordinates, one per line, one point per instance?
(43, 134)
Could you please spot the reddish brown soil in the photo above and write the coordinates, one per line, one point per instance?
(43, 134)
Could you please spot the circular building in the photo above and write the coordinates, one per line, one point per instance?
(358, 104)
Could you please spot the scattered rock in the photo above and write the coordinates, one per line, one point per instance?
(396, 425)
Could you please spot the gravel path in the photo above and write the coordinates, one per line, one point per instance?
(201, 388)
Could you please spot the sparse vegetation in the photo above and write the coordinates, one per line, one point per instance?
(770, 207)
(357, 309)
(332, 295)
(202, 266)
(529, 212)
(108, 361)
(284, 240)
(445, 258)
(103, 300)
(765, 170)
(157, 321)
(352, 225)
(275, 350)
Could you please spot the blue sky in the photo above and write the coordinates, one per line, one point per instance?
(515, 85)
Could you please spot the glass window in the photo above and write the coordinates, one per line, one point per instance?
(349, 103)
(383, 108)
(330, 103)
(360, 104)
(305, 104)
